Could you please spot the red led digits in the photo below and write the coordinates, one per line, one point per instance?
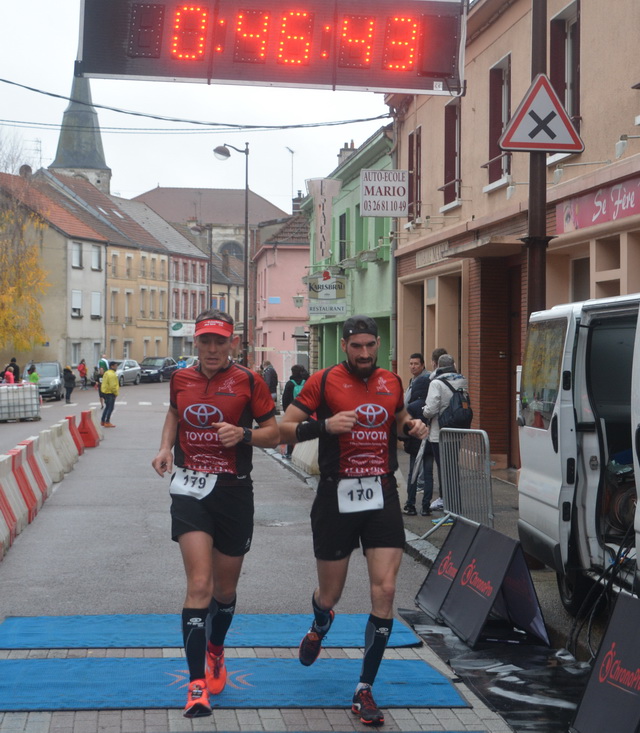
(189, 32)
(252, 27)
(400, 44)
(294, 46)
(356, 39)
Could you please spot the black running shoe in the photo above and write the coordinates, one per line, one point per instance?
(410, 510)
(312, 643)
(364, 705)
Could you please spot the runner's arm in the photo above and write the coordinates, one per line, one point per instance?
(266, 435)
(163, 462)
(409, 426)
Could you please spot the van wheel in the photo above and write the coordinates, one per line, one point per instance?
(573, 588)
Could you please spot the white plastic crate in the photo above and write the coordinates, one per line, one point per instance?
(19, 402)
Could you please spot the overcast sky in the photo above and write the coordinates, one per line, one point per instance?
(40, 41)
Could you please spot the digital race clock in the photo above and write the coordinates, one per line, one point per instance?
(375, 45)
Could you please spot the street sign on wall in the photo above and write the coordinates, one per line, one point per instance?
(541, 124)
(384, 193)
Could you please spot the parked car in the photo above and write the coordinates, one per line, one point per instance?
(157, 368)
(51, 385)
(128, 372)
(187, 361)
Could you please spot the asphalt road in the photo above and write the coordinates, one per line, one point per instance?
(131, 492)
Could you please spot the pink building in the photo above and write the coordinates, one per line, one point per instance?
(280, 263)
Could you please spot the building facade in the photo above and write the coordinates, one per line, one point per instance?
(462, 268)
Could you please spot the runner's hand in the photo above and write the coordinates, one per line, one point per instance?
(163, 462)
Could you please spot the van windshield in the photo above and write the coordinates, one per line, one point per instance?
(541, 369)
(47, 370)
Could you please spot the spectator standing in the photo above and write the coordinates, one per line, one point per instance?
(69, 380)
(103, 365)
(82, 371)
(206, 447)
(7, 376)
(110, 389)
(414, 398)
(270, 376)
(15, 370)
(438, 398)
(33, 377)
(292, 388)
(360, 408)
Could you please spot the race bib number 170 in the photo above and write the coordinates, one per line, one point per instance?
(360, 494)
(192, 483)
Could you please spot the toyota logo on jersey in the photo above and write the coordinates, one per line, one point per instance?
(202, 415)
(371, 416)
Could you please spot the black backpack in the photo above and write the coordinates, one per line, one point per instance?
(458, 413)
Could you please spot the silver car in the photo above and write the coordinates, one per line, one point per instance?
(128, 372)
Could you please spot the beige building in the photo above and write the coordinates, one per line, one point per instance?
(461, 264)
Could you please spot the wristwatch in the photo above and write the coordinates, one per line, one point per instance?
(246, 435)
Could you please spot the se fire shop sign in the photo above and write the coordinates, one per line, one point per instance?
(384, 193)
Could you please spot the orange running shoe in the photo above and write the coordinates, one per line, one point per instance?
(215, 672)
(364, 706)
(311, 643)
(197, 700)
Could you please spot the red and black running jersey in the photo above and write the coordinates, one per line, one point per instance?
(234, 395)
(370, 448)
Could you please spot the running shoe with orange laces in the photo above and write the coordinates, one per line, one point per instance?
(364, 705)
(197, 700)
(312, 642)
(215, 672)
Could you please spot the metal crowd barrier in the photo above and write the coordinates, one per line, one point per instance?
(465, 476)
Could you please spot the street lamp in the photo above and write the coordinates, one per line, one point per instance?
(222, 153)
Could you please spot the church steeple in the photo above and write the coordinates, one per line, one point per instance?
(80, 150)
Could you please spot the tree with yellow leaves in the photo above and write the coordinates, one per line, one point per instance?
(22, 278)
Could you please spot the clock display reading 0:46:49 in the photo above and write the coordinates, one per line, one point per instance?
(376, 45)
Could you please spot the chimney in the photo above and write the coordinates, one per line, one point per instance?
(295, 204)
(346, 151)
(225, 263)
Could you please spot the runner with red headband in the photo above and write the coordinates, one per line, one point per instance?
(206, 448)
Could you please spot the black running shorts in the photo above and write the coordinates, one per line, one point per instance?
(226, 514)
(336, 535)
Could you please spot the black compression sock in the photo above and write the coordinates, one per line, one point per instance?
(221, 621)
(195, 640)
(376, 636)
(322, 616)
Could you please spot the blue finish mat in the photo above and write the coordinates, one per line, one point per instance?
(157, 630)
(118, 684)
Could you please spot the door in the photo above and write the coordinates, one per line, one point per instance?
(547, 435)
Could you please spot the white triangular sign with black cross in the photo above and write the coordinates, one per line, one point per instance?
(541, 124)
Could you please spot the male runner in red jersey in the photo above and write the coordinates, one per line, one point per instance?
(208, 425)
(359, 407)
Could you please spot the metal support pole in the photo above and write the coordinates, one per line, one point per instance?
(245, 332)
(537, 240)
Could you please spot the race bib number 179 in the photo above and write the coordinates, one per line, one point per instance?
(192, 483)
(360, 494)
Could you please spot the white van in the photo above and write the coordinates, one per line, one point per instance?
(579, 428)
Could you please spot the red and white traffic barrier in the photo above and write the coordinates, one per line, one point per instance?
(75, 435)
(11, 490)
(37, 464)
(49, 453)
(26, 483)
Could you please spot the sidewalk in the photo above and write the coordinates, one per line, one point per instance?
(100, 546)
